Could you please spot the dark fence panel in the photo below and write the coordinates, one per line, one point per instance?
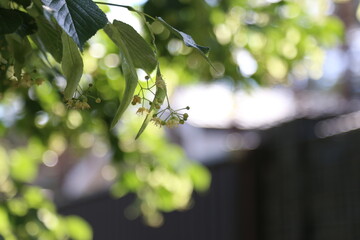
(308, 188)
(214, 215)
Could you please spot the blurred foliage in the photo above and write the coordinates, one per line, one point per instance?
(251, 42)
(262, 41)
(25, 211)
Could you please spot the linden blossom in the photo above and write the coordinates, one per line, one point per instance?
(142, 110)
(157, 121)
(77, 104)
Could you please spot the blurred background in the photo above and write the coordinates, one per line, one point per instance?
(269, 150)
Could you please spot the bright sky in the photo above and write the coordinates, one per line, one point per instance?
(123, 14)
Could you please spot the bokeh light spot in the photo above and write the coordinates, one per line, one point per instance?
(74, 119)
(97, 50)
(50, 158)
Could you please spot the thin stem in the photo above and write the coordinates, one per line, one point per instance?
(127, 7)
(113, 4)
(168, 101)
(151, 92)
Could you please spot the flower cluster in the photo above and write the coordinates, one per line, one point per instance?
(81, 103)
(136, 100)
(142, 110)
(173, 119)
(77, 104)
(166, 117)
(27, 80)
(161, 117)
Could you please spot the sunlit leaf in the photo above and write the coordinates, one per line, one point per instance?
(78, 228)
(80, 19)
(18, 206)
(33, 196)
(22, 168)
(165, 199)
(131, 181)
(72, 65)
(200, 177)
(119, 189)
(4, 221)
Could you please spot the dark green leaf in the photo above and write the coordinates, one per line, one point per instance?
(71, 64)
(187, 39)
(10, 20)
(28, 25)
(24, 3)
(80, 19)
(140, 51)
(16, 21)
(128, 69)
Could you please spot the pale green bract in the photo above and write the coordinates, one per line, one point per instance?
(135, 53)
(128, 68)
(71, 64)
(159, 98)
(48, 38)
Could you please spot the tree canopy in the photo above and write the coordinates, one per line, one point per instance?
(68, 75)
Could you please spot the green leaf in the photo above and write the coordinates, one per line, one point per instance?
(80, 19)
(188, 40)
(139, 50)
(159, 97)
(22, 168)
(49, 38)
(71, 64)
(5, 224)
(128, 69)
